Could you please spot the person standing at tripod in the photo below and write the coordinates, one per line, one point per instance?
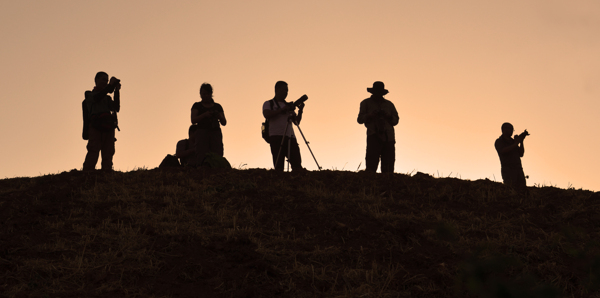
(283, 142)
(379, 116)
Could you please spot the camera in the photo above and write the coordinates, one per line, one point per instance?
(301, 100)
(522, 135)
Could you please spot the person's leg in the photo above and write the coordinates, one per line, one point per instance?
(93, 149)
(295, 158)
(520, 179)
(276, 147)
(388, 157)
(374, 146)
(510, 177)
(108, 150)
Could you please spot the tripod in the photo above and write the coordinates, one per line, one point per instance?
(289, 122)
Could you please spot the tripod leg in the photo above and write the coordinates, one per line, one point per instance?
(288, 155)
(281, 145)
(311, 153)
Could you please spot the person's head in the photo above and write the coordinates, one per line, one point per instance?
(281, 90)
(192, 131)
(206, 92)
(378, 89)
(101, 79)
(507, 129)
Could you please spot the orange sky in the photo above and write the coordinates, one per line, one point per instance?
(456, 70)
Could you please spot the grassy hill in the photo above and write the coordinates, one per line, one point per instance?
(257, 233)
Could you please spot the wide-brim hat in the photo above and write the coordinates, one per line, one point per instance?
(378, 88)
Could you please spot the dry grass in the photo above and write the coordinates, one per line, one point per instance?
(256, 233)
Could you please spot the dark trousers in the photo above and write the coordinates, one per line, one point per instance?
(377, 148)
(208, 140)
(99, 142)
(514, 178)
(294, 152)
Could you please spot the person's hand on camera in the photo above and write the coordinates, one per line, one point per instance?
(301, 108)
(288, 107)
(114, 81)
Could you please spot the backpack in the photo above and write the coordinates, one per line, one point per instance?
(170, 161)
(265, 125)
(215, 161)
(86, 121)
(103, 122)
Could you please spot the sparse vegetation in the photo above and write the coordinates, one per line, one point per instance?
(257, 233)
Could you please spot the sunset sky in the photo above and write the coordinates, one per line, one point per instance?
(455, 70)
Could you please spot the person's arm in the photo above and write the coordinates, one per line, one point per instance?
(363, 115)
(522, 148)
(298, 117)
(117, 99)
(507, 149)
(181, 152)
(197, 117)
(270, 113)
(221, 116)
(99, 95)
(393, 119)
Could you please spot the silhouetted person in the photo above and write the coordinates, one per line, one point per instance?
(281, 132)
(101, 110)
(379, 115)
(208, 116)
(186, 148)
(510, 152)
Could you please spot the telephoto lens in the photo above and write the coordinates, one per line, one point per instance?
(301, 100)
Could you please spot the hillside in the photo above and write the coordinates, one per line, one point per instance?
(257, 233)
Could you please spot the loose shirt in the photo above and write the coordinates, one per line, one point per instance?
(278, 123)
(382, 126)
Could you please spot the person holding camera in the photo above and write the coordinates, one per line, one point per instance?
(282, 139)
(379, 116)
(100, 121)
(208, 116)
(510, 152)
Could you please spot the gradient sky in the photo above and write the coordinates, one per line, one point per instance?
(456, 70)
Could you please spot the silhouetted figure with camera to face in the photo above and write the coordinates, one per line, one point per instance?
(510, 150)
(208, 116)
(379, 116)
(100, 121)
(282, 140)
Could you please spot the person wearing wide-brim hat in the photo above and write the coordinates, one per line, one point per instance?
(379, 116)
